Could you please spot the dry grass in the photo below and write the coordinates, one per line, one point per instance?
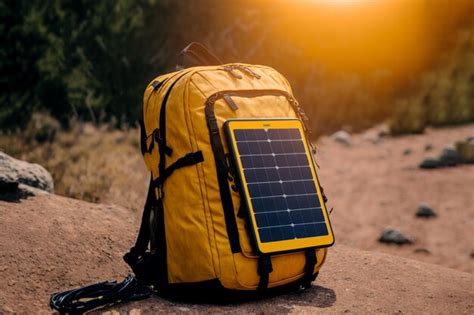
(442, 96)
(88, 163)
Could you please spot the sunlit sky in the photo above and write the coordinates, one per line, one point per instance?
(400, 36)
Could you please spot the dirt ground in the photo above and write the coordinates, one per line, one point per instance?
(51, 243)
(374, 186)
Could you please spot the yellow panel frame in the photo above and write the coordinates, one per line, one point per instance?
(283, 245)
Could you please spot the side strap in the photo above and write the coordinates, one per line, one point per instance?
(187, 160)
(137, 258)
(157, 267)
(152, 229)
(311, 261)
(264, 269)
(141, 244)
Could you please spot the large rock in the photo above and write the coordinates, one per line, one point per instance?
(61, 243)
(14, 172)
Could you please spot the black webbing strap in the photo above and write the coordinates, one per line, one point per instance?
(187, 160)
(222, 173)
(160, 136)
(136, 256)
(264, 269)
(158, 272)
(143, 147)
(311, 260)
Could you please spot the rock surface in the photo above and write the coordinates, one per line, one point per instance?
(14, 172)
(50, 243)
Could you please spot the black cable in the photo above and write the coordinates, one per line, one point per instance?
(109, 293)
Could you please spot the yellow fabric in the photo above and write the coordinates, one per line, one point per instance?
(198, 247)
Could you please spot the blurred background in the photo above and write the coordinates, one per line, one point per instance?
(352, 63)
(73, 73)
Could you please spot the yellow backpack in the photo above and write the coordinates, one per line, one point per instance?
(193, 238)
(197, 236)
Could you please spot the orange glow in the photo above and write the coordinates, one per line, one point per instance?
(396, 36)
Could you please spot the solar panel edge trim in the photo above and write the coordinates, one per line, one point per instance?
(281, 238)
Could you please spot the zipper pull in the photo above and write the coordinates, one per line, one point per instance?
(249, 71)
(230, 102)
(231, 70)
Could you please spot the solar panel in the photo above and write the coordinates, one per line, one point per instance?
(279, 184)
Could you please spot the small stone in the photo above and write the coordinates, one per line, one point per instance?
(425, 211)
(407, 151)
(342, 137)
(422, 251)
(472, 254)
(430, 163)
(394, 236)
(428, 147)
(11, 283)
(449, 157)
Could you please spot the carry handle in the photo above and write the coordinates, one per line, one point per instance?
(199, 53)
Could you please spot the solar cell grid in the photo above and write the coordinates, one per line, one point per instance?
(280, 184)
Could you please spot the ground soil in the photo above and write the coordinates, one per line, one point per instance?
(374, 186)
(50, 243)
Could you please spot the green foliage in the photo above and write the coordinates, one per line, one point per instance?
(90, 60)
(75, 59)
(21, 46)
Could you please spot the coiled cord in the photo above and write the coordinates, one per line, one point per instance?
(109, 293)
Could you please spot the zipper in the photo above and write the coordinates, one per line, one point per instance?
(246, 70)
(231, 69)
(227, 96)
(249, 71)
